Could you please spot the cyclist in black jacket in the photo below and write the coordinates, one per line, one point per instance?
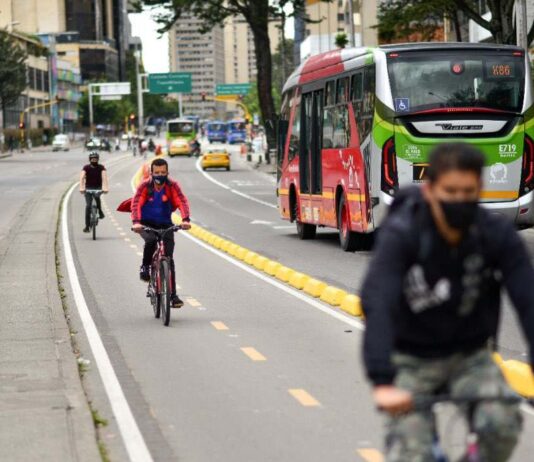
(431, 298)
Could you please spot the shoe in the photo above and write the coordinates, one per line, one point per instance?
(176, 302)
(144, 273)
(101, 215)
(86, 229)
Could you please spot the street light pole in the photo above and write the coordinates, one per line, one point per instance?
(521, 23)
(91, 110)
(351, 24)
(140, 108)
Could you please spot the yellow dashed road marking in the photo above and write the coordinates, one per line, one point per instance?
(370, 455)
(219, 325)
(193, 302)
(133, 246)
(140, 254)
(303, 397)
(122, 234)
(127, 239)
(253, 354)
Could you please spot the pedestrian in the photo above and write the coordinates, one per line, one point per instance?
(431, 299)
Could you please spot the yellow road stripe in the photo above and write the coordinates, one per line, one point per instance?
(499, 195)
(122, 234)
(133, 246)
(219, 325)
(127, 239)
(303, 397)
(253, 354)
(140, 254)
(193, 301)
(370, 455)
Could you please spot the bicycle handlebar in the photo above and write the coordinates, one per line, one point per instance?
(161, 232)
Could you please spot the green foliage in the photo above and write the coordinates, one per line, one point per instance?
(12, 70)
(341, 40)
(399, 19)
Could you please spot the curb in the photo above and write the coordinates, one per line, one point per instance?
(518, 374)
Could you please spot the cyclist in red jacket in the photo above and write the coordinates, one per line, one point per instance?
(153, 204)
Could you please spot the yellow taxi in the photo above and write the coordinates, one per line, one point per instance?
(215, 158)
(179, 147)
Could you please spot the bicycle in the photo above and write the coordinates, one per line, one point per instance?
(472, 450)
(160, 284)
(93, 222)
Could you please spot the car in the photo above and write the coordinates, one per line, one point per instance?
(216, 158)
(151, 130)
(94, 143)
(179, 147)
(60, 143)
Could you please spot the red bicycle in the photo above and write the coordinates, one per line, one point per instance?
(160, 284)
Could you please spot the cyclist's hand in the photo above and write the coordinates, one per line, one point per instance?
(185, 225)
(137, 228)
(82, 191)
(392, 400)
(105, 191)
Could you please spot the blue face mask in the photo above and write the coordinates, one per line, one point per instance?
(159, 179)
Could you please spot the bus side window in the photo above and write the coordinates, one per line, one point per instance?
(330, 94)
(368, 106)
(328, 127)
(356, 88)
(342, 90)
(294, 140)
(341, 136)
(283, 127)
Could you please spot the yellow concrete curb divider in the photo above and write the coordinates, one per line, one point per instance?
(517, 373)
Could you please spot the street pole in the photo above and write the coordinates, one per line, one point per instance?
(139, 96)
(351, 25)
(521, 23)
(91, 110)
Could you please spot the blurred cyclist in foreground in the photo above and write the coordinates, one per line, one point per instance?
(431, 299)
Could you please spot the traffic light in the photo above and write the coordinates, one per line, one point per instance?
(132, 117)
(203, 96)
(21, 125)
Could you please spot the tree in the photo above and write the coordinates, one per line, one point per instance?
(341, 40)
(399, 19)
(12, 71)
(257, 13)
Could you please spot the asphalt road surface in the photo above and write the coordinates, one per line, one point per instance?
(246, 371)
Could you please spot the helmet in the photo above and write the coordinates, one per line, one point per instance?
(94, 154)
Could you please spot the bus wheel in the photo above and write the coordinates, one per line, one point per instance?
(304, 230)
(348, 239)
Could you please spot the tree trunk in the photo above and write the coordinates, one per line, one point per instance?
(262, 45)
(457, 27)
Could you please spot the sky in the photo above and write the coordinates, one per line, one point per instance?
(156, 48)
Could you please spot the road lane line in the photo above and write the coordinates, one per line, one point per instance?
(219, 325)
(303, 397)
(357, 324)
(131, 435)
(235, 191)
(370, 455)
(193, 302)
(253, 354)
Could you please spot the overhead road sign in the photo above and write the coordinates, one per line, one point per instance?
(226, 89)
(111, 89)
(170, 82)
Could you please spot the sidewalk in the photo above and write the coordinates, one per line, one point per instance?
(44, 413)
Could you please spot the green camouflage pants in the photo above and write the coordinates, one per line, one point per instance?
(498, 424)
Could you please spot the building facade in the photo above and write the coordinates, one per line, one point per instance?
(203, 56)
(326, 20)
(101, 25)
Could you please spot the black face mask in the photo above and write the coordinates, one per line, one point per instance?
(459, 215)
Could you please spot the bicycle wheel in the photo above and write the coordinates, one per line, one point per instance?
(153, 292)
(94, 221)
(165, 292)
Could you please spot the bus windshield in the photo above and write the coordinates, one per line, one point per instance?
(421, 81)
(180, 128)
(234, 126)
(219, 127)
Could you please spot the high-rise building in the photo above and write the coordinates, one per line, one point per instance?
(100, 24)
(326, 20)
(203, 56)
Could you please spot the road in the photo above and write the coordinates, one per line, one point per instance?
(246, 371)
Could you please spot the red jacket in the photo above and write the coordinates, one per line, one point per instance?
(172, 191)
